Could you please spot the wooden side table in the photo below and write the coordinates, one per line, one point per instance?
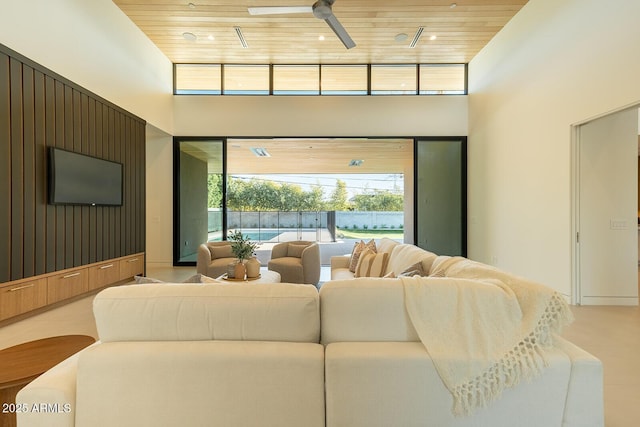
(21, 364)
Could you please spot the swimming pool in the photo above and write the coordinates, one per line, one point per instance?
(261, 236)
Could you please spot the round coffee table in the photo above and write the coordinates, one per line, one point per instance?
(22, 363)
(266, 276)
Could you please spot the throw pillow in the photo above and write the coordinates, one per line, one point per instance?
(221, 251)
(437, 273)
(295, 250)
(357, 250)
(414, 270)
(371, 264)
(355, 255)
(143, 279)
(361, 256)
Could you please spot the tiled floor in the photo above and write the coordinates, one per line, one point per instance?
(610, 333)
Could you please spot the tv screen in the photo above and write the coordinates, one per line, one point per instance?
(76, 179)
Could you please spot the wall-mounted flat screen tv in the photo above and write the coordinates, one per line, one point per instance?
(77, 179)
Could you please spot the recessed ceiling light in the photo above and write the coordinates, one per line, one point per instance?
(356, 162)
(321, 37)
(210, 37)
(399, 38)
(433, 37)
(189, 36)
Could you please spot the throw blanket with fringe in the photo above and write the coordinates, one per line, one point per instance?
(483, 329)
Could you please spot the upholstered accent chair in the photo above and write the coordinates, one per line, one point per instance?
(297, 262)
(213, 258)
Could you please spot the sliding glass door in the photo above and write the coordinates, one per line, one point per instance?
(199, 175)
(441, 195)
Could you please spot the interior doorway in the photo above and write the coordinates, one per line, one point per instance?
(605, 204)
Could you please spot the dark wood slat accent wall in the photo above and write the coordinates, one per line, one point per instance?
(5, 169)
(40, 109)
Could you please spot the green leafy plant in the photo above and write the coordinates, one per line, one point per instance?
(241, 245)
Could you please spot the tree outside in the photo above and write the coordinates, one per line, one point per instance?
(260, 195)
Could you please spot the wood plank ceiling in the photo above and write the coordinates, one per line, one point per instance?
(460, 31)
(306, 155)
(453, 33)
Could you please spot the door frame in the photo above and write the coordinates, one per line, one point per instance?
(576, 285)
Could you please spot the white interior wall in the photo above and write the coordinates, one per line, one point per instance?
(321, 115)
(95, 45)
(555, 64)
(159, 198)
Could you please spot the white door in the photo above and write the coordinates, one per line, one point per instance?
(607, 241)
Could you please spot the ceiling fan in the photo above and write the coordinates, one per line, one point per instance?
(321, 9)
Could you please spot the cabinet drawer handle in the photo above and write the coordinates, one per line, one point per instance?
(22, 287)
(106, 266)
(70, 275)
(133, 260)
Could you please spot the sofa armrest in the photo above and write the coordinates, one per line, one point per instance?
(340, 261)
(311, 264)
(56, 388)
(585, 398)
(203, 260)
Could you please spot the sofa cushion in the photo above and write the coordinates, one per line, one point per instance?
(295, 250)
(380, 384)
(405, 255)
(218, 311)
(364, 309)
(386, 245)
(221, 251)
(341, 274)
(200, 383)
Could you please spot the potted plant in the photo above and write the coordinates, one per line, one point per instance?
(242, 248)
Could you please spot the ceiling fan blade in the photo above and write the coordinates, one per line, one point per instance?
(279, 10)
(342, 34)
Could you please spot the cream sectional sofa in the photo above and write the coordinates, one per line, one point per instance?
(285, 355)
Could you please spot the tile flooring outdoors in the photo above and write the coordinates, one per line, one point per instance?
(610, 333)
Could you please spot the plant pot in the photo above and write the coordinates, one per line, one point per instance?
(231, 270)
(239, 271)
(253, 267)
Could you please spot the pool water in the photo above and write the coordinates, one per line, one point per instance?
(261, 236)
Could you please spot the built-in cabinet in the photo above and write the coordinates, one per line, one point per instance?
(24, 296)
